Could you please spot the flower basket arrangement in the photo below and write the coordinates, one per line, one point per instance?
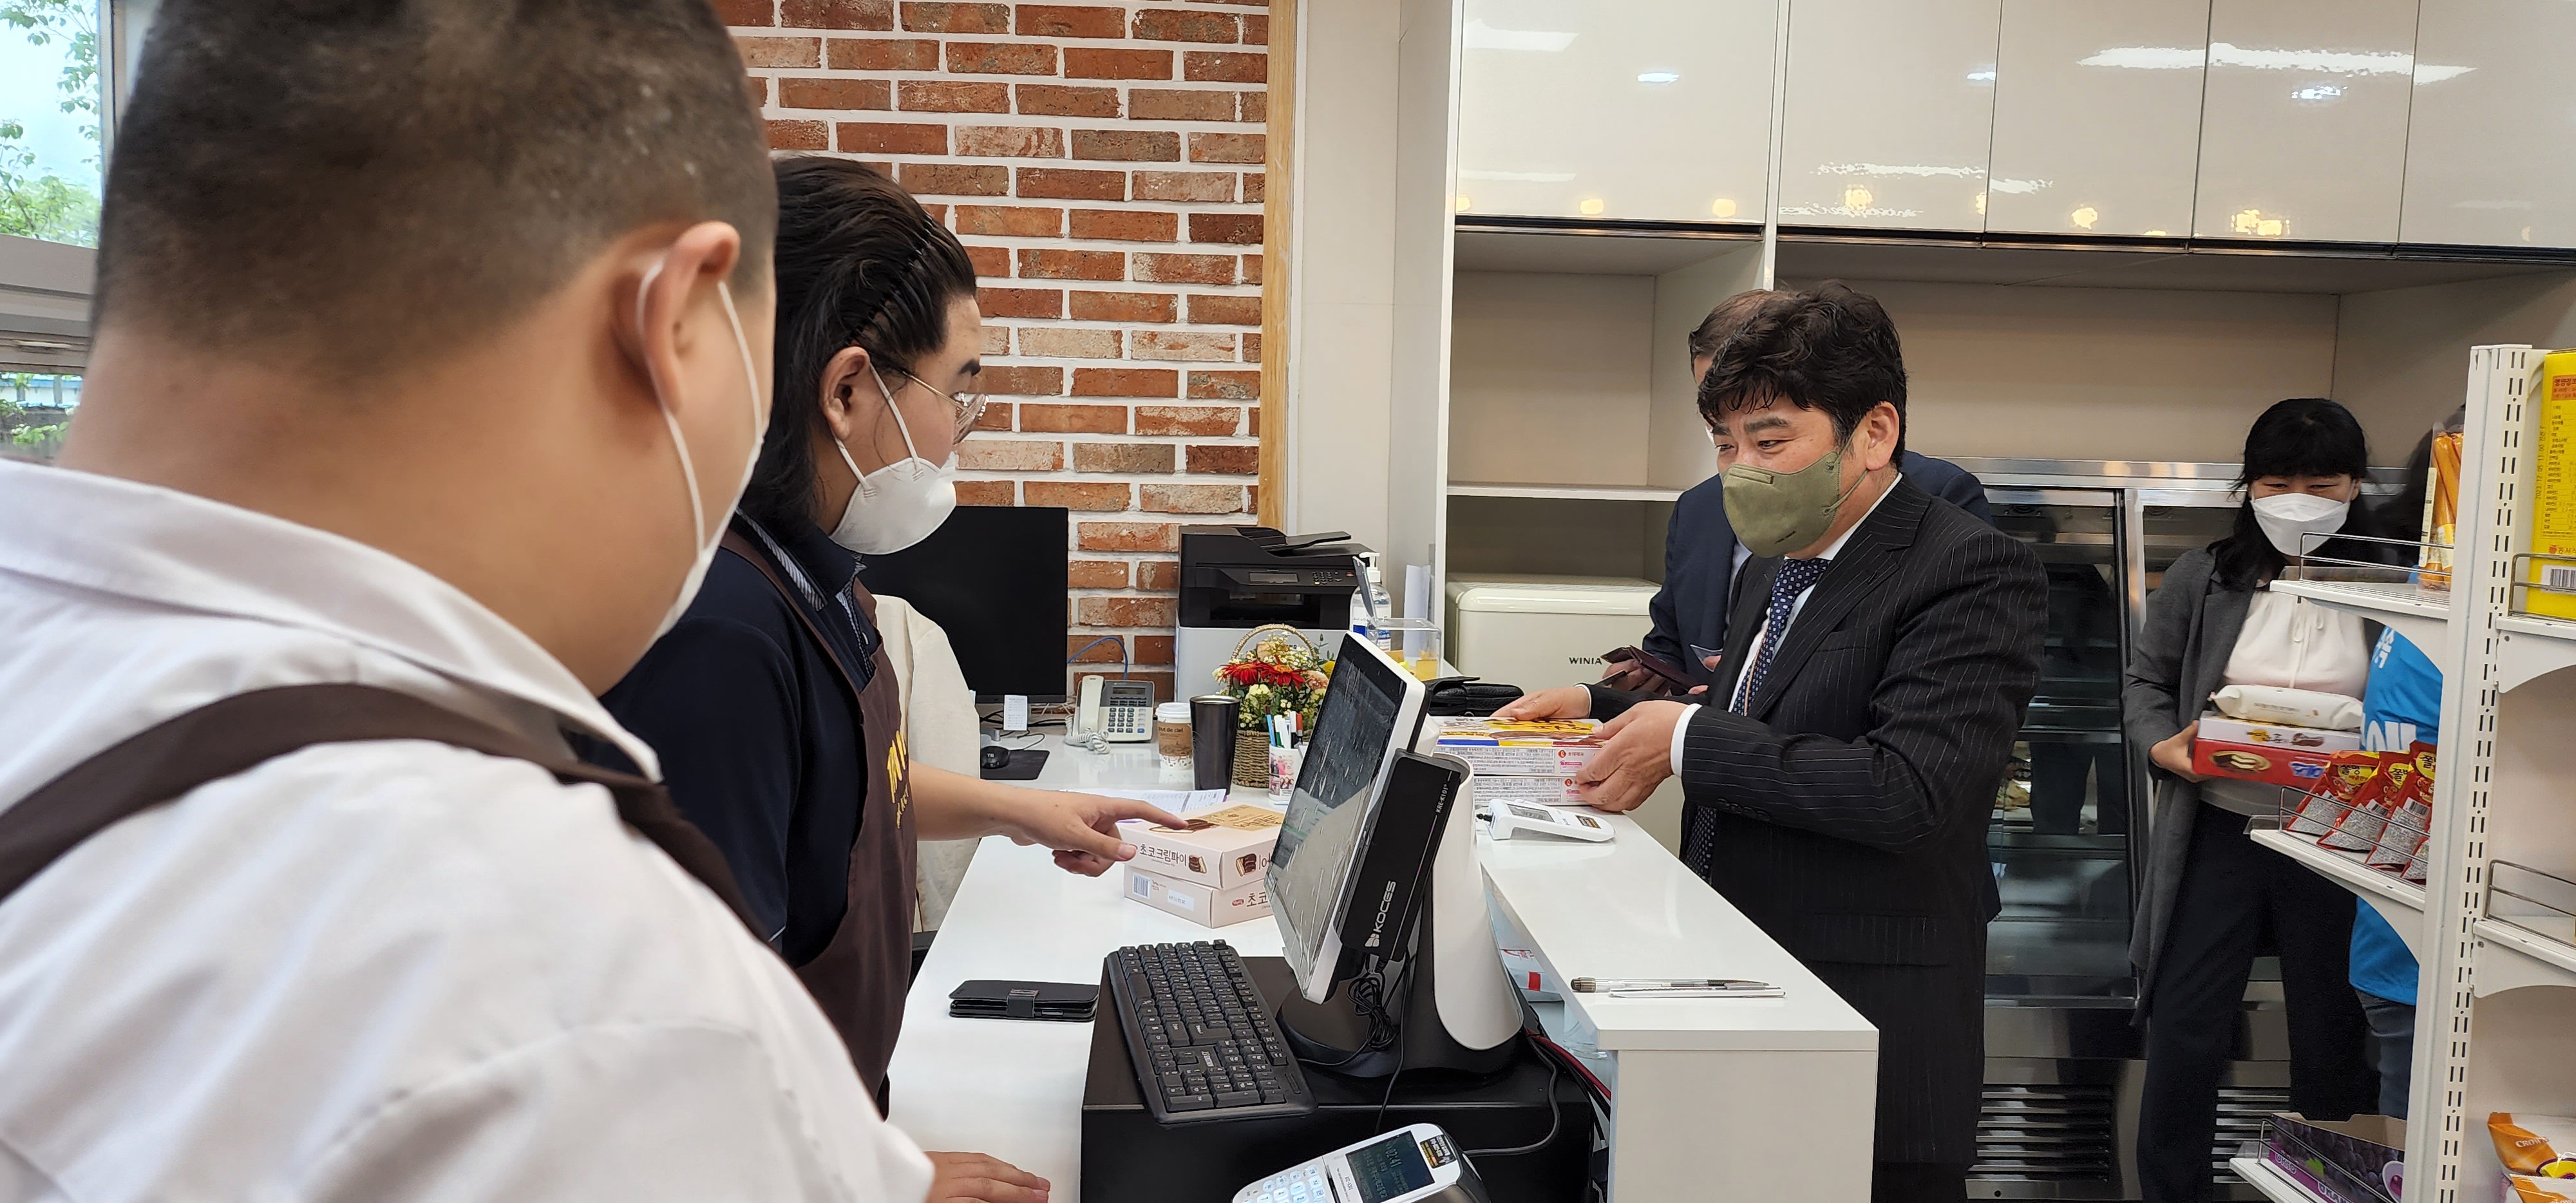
(1275, 670)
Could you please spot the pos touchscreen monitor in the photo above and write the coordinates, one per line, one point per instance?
(1371, 709)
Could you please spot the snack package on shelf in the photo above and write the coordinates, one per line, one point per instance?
(2441, 509)
(2401, 843)
(2520, 1188)
(2542, 1146)
(2296, 707)
(2551, 444)
(2358, 828)
(2347, 777)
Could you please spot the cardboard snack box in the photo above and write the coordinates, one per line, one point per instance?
(2297, 768)
(1219, 849)
(1549, 748)
(1545, 791)
(1201, 904)
(2223, 729)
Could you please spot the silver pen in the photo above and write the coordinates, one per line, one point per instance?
(1731, 990)
(1611, 985)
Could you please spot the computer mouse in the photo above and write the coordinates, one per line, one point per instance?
(994, 756)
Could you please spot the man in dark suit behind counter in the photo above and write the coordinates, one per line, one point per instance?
(1701, 554)
(1880, 653)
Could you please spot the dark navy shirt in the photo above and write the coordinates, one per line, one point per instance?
(759, 739)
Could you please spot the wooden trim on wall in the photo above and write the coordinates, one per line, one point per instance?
(1279, 190)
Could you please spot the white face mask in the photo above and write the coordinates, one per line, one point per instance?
(897, 505)
(2286, 516)
(705, 539)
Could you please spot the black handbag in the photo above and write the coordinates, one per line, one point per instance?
(1466, 697)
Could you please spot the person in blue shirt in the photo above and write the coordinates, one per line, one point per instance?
(2401, 707)
(1701, 553)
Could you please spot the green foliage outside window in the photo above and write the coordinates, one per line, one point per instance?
(35, 203)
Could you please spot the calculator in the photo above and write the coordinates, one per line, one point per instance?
(1413, 1164)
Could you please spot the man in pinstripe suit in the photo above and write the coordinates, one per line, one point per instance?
(1879, 656)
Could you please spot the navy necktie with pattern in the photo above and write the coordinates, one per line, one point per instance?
(1699, 843)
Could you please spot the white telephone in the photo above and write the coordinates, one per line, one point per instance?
(1124, 716)
(1413, 1164)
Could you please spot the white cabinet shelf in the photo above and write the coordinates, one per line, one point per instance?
(2421, 617)
(2532, 648)
(2511, 958)
(2264, 1178)
(2399, 900)
(1467, 488)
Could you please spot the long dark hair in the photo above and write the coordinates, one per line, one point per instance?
(859, 262)
(2303, 436)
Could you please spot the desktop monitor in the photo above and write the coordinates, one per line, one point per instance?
(993, 578)
(1371, 709)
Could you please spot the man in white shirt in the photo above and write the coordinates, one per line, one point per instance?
(430, 355)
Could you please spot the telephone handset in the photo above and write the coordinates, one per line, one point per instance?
(1413, 1164)
(1120, 712)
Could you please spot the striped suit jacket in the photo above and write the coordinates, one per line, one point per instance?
(1845, 811)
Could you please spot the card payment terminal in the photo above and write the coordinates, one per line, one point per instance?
(1414, 1164)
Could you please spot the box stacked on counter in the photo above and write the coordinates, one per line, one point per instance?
(1522, 761)
(1208, 871)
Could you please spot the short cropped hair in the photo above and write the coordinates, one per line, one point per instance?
(860, 263)
(1724, 320)
(354, 186)
(1827, 348)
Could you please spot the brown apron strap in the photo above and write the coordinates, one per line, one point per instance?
(735, 543)
(241, 732)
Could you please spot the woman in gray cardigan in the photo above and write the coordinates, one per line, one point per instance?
(2214, 900)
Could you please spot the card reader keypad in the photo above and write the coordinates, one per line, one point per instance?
(1303, 1184)
(1201, 1036)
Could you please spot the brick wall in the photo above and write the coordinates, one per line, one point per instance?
(1103, 165)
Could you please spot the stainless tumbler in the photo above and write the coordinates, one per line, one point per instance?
(1212, 722)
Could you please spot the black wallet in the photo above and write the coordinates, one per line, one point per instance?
(1063, 1002)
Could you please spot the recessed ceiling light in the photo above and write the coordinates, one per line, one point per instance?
(1658, 77)
(1982, 75)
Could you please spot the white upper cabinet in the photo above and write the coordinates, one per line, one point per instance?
(2097, 116)
(2303, 133)
(2486, 159)
(1616, 109)
(1890, 113)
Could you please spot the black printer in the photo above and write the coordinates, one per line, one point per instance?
(1235, 578)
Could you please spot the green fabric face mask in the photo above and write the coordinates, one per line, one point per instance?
(1777, 512)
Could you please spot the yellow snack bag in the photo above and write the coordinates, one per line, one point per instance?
(2551, 530)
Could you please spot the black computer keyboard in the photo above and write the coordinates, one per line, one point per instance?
(1203, 1041)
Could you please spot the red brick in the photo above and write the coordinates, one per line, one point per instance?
(1252, 269)
(1000, 58)
(1252, 347)
(1095, 495)
(1128, 611)
(1158, 574)
(799, 52)
(882, 54)
(995, 340)
(1202, 186)
(1122, 306)
(954, 179)
(1256, 106)
(835, 94)
(1252, 499)
(1182, 25)
(799, 135)
(1010, 221)
(1075, 419)
(1184, 344)
(1226, 148)
(1231, 459)
(1122, 457)
(1019, 302)
(1094, 574)
(1013, 141)
(1009, 455)
(957, 18)
(747, 12)
(1225, 66)
(1071, 21)
(1050, 264)
(1154, 146)
(987, 492)
(1058, 100)
(1127, 536)
(1256, 29)
(1087, 648)
(1125, 382)
(1242, 229)
(1155, 649)
(883, 167)
(1014, 381)
(1125, 225)
(1161, 681)
(1254, 190)
(1063, 183)
(933, 96)
(1172, 104)
(1185, 269)
(1219, 386)
(838, 14)
(1187, 419)
(997, 415)
(991, 261)
(870, 137)
(757, 87)
(1189, 499)
(1207, 310)
(1069, 342)
(1086, 62)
